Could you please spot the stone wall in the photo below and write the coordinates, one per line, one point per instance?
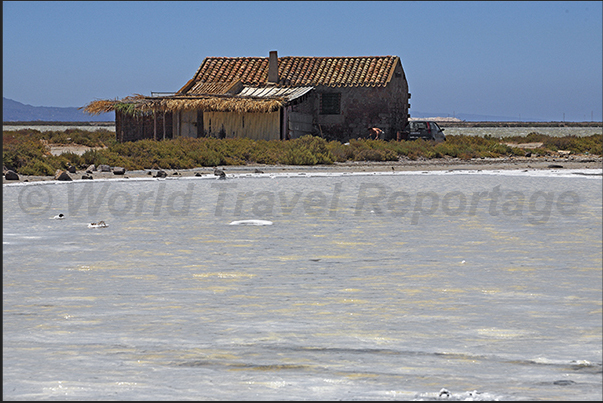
(361, 109)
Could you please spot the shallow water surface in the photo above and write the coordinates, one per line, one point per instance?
(365, 287)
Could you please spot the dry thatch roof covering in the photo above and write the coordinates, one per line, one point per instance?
(139, 104)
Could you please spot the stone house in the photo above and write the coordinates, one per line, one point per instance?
(271, 98)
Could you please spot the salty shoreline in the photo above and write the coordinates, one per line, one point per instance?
(441, 164)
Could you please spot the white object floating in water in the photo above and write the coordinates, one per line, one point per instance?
(100, 224)
(251, 222)
(463, 262)
(58, 217)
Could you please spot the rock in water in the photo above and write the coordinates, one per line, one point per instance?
(62, 176)
(11, 176)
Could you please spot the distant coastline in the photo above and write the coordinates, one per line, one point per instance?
(518, 124)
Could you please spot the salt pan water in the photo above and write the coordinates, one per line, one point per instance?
(477, 285)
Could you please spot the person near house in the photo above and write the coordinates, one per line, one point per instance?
(375, 133)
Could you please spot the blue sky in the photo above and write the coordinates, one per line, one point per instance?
(530, 60)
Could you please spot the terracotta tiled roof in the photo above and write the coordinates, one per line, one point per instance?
(294, 71)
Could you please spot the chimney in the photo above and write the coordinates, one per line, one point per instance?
(273, 68)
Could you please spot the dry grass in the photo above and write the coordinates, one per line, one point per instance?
(139, 104)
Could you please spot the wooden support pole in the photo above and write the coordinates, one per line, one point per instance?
(154, 125)
(164, 125)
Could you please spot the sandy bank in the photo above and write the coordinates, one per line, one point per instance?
(441, 164)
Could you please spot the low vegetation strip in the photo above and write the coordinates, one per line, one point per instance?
(27, 151)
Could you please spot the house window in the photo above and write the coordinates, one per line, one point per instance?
(330, 104)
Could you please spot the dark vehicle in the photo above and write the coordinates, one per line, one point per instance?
(423, 129)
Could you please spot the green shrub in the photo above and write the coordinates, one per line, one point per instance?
(25, 151)
(340, 152)
(96, 157)
(309, 148)
(375, 155)
(298, 156)
(38, 168)
(17, 154)
(264, 155)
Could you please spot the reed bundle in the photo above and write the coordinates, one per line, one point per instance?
(139, 104)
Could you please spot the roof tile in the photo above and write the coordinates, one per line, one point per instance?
(297, 71)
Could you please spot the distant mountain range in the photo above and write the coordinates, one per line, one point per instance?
(13, 111)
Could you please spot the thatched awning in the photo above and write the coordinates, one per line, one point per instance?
(141, 105)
